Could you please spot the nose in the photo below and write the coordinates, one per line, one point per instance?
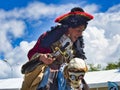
(78, 79)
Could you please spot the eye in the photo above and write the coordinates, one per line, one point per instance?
(72, 77)
(80, 31)
(81, 76)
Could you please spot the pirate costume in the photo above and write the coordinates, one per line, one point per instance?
(54, 42)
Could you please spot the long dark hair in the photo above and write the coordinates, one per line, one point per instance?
(53, 35)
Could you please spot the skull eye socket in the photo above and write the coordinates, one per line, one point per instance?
(76, 76)
(80, 77)
(73, 77)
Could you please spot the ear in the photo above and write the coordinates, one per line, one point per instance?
(65, 72)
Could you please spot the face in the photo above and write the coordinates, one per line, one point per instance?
(76, 78)
(74, 33)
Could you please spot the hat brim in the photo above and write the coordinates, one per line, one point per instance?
(83, 14)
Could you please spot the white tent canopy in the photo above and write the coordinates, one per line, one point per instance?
(100, 78)
(11, 84)
(95, 79)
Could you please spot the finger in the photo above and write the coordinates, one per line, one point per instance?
(49, 56)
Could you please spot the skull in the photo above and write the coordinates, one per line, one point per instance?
(76, 69)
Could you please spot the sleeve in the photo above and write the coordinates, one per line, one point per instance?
(38, 48)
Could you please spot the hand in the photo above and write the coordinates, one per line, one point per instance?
(46, 58)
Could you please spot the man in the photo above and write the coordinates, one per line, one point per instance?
(59, 46)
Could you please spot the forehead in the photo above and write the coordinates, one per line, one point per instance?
(75, 70)
(76, 73)
(79, 28)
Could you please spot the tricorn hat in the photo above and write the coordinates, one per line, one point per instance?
(74, 18)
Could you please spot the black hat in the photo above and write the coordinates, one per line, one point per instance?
(74, 18)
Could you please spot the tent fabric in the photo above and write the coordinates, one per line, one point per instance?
(94, 79)
(101, 78)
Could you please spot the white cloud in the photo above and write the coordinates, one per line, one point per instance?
(13, 21)
(102, 37)
(15, 59)
(99, 49)
(13, 27)
(115, 8)
(92, 8)
(5, 70)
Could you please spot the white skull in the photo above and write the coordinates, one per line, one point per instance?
(78, 67)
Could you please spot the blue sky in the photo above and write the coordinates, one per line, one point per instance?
(22, 22)
(11, 4)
